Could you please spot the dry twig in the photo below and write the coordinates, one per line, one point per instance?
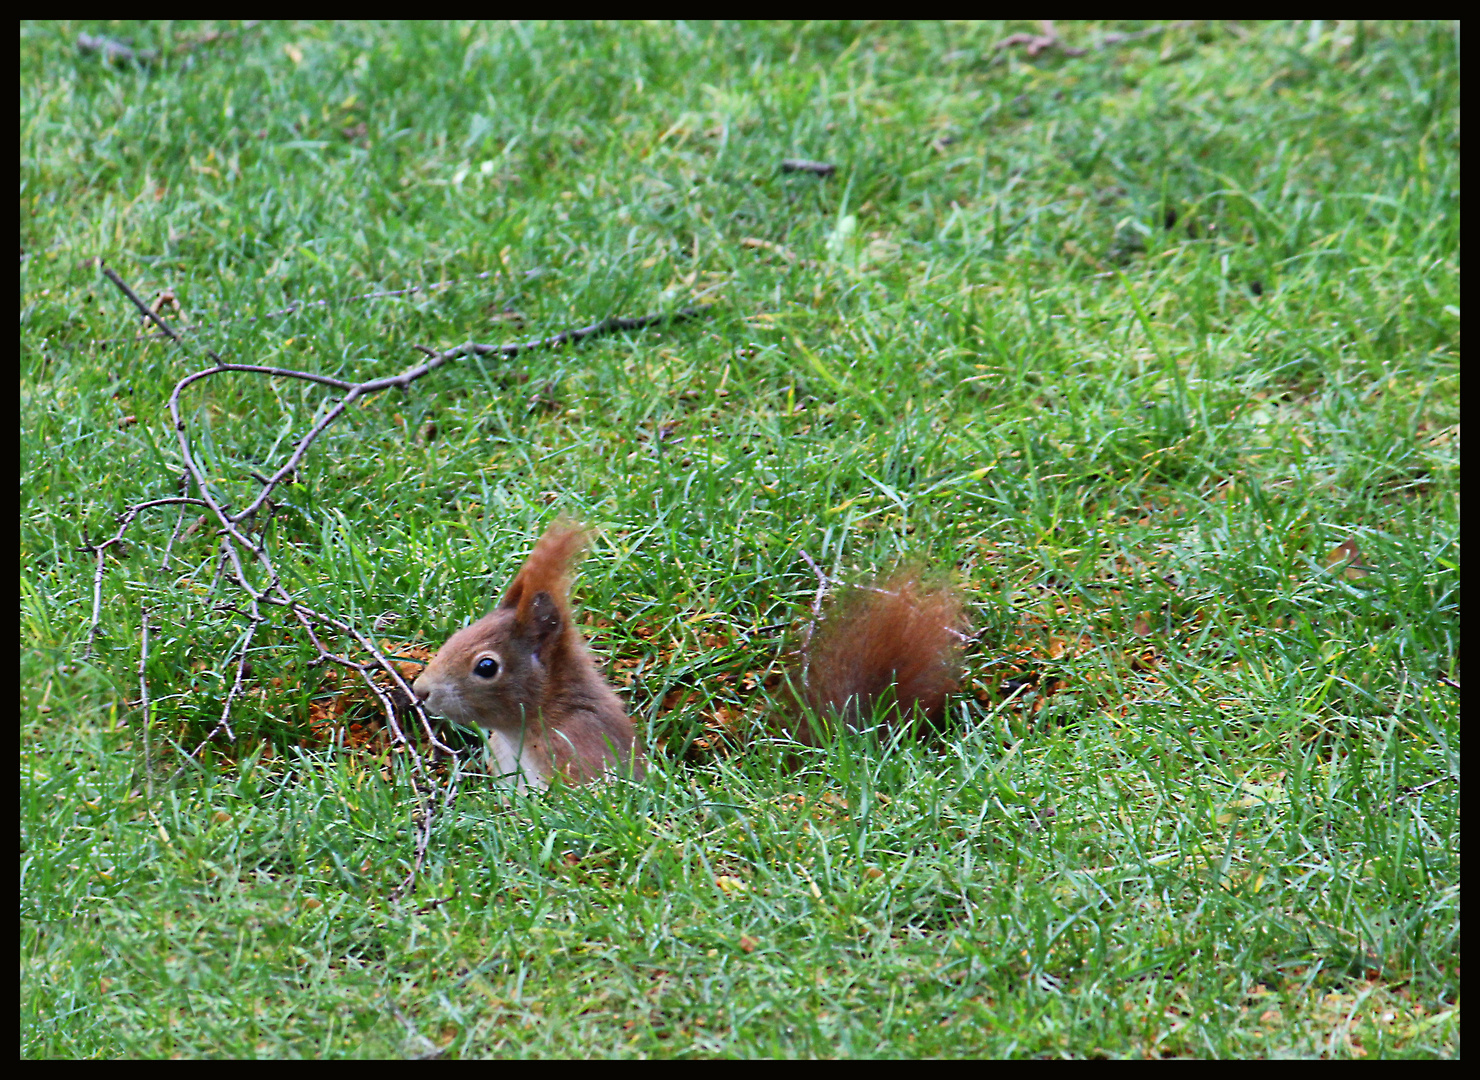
(144, 701)
(125, 519)
(241, 550)
(817, 168)
(292, 309)
(115, 51)
(1037, 43)
(1049, 39)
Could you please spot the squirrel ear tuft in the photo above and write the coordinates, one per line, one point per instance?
(549, 564)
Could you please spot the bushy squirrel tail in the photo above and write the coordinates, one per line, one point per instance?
(898, 633)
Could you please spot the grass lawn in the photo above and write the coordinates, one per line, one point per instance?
(1150, 339)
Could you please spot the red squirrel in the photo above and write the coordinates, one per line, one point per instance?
(523, 673)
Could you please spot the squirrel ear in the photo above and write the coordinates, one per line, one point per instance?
(541, 618)
(515, 593)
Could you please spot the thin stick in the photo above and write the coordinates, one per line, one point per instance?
(116, 50)
(1049, 39)
(144, 699)
(238, 546)
(1409, 792)
(818, 168)
(164, 564)
(606, 326)
(292, 309)
(241, 672)
(125, 519)
(822, 584)
(146, 310)
(220, 565)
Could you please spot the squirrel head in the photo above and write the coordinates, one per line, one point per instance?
(499, 672)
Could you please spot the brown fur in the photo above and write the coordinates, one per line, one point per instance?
(548, 711)
(899, 633)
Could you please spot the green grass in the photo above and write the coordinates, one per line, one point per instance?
(1132, 341)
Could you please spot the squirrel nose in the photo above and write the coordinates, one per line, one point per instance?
(420, 689)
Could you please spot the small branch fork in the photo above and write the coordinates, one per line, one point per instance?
(239, 549)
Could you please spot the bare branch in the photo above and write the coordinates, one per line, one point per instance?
(1150, 31)
(822, 584)
(292, 309)
(125, 519)
(145, 310)
(606, 326)
(115, 50)
(144, 701)
(239, 548)
(1049, 39)
(164, 563)
(819, 168)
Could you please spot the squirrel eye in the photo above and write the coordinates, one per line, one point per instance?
(487, 667)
